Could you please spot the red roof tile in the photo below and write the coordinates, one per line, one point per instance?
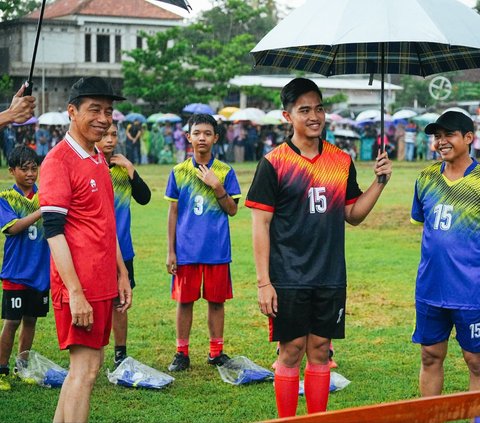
(117, 8)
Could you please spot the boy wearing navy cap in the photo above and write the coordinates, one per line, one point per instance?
(447, 204)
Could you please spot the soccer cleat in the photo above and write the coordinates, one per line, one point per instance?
(118, 360)
(4, 383)
(180, 362)
(219, 360)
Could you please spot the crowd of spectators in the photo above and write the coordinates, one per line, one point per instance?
(166, 143)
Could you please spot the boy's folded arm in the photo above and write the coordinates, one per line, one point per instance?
(24, 223)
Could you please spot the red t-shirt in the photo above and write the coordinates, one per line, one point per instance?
(79, 186)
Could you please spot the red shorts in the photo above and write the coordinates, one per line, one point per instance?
(217, 283)
(96, 338)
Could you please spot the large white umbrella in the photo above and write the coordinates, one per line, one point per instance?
(53, 118)
(404, 114)
(250, 113)
(368, 114)
(426, 118)
(335, 37)
(346, 133)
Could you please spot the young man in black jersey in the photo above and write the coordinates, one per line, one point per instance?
(302, 194)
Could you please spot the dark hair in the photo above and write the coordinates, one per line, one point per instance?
(296, 88)
(22, 155)
(199, 118)
(77, 102)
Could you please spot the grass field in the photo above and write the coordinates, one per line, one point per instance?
(377, 354)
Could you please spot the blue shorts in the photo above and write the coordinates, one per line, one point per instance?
(434, 325)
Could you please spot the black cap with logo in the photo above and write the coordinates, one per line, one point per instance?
(451, 121)
(92, 86)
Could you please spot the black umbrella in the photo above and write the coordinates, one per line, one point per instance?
(29, 83)
(180, 3)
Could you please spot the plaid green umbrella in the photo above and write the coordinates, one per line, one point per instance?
(180, 3)
(335, 37)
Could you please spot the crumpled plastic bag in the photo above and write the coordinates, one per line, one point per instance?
(239, 370)
(133, 374)
(337, 383)
(34, 368)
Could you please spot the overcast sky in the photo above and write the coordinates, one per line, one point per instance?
(199, 5)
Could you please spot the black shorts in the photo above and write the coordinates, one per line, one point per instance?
(28, 302)
(303, 311)
(131, 275)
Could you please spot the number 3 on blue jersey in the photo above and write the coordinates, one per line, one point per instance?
(198, 205)
(32, 232)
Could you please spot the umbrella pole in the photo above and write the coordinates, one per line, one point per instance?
(382, 179)
(29, 83)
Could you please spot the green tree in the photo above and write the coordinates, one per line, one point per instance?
(414, 89)
(195, 63)
(13, 9)
(6, 86)
(465, 90)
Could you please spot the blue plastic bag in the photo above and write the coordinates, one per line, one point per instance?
(337, 383)
(133, 374)
(240, 370)
(36, 369)
(54, 377)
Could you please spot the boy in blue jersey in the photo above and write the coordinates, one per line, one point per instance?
(447, 203)
(126, 184)
(203, 192)
(25, 270)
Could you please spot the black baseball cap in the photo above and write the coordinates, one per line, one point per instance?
(92, 86)
(452, 121)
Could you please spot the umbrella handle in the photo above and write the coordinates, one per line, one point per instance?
(28, 88)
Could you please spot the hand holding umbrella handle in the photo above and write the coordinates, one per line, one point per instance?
(28, 88)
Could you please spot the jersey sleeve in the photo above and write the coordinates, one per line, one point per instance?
(7, 216)
(55, 187)
(231, 185)
(172, 193)
(353, 190)
(264, 189)
(417, 216)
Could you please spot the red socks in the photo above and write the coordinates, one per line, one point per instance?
(317, 386)
(216, 346)
(182, 346)
(287, 380)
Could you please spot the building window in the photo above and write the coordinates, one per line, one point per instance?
(88, 48)
(103, 48)
(139, 42)
(118, 48)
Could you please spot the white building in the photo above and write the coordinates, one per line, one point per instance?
(88, 37)
(360, 94)
(78, 38)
